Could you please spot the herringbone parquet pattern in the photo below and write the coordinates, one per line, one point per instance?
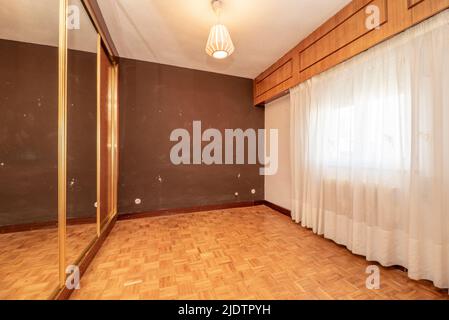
(245, 253)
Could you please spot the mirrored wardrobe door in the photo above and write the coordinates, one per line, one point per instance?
(81, 229)
(107, 144)
(29, 259)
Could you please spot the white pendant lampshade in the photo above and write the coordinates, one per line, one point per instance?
(219, 45)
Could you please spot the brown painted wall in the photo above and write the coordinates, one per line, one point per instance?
(154, 100)
(28, 133)
(81, 134)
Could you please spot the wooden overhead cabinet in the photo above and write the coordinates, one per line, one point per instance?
(342, 37)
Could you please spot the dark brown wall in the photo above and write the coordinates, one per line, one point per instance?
(28, 133)
(154, 100)
(81, 134)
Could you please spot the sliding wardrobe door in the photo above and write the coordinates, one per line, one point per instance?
(107, 137)
(58, 146)
(29, 34)
(81, 217)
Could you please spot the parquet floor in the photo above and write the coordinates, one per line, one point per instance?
(29, 260)
(245, 253)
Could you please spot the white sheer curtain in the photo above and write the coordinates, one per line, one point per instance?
(370, 152)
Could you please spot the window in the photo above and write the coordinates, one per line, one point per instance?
(375, 134)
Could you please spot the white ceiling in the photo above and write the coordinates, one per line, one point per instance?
(175, 32)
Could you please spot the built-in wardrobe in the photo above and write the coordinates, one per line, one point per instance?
(58, 145)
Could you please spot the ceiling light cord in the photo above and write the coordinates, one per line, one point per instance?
(217, 6)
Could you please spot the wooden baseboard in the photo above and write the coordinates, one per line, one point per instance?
(84, 262)
(280, 209)
(169, 212)
(28, 227)
(44, 225)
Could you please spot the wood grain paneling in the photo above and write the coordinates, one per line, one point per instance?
(423, 9)
(399, 18)
(412, 3)
(278, 76)
(340, 38)
(343, 34)
(277, 79)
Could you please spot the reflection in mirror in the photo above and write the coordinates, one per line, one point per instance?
(28, 148)
(81, 132)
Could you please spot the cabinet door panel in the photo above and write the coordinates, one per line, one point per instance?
(343, 34)
(423, 9)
